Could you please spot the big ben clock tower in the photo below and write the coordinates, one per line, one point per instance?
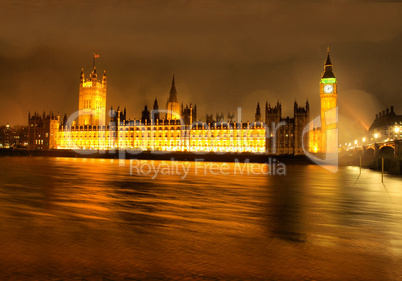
(328, 95)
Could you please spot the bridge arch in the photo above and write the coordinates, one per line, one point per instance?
(369, 150)
(368, 156)
(370, 147)
(386, 150)
(387, 145)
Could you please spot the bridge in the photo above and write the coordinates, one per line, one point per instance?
(390, 150)
(395, 145)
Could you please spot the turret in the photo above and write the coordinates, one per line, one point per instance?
(156, 106)
(191, 114)
(64, 120)
(258, 117)
(104, 79)
(82, 77)
(173, 92)
(172, 105)
(145, 116)
(279, 106)
(94, 77)
(112, 114)
(155, 113)
(118, 116)
(194, 114)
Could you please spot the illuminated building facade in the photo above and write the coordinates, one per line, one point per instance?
(92, 100)
(320, 137)
(168, 135)
(387, 126)
(179, 131)
(176, 128)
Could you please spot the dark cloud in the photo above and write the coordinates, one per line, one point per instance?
(225, 54)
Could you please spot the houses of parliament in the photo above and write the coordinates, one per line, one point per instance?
(176, 127)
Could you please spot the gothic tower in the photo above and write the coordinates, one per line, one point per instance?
(273, 114)
(301, 119)
(328, 95)
(172, 106)
(155, 111)
(258, 116)
(145, 116)
(92, 100)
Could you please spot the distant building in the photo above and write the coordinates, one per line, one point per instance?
(6, 136)
(387, 126)
(13, 137)
(42, 131)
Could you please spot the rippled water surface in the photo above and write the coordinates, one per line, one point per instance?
(90, 219)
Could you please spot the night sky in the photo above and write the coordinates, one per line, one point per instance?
(224, 54)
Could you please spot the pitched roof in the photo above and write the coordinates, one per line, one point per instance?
(388, 119)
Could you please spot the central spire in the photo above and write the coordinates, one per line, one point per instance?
(328, 67)
(328, 62)
(173, 92)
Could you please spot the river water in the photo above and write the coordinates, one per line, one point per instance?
(102, 219)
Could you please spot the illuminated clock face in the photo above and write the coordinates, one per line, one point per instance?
(328, 89)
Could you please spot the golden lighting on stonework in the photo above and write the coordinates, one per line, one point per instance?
(166, 138)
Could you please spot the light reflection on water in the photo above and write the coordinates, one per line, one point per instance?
(89, 218)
